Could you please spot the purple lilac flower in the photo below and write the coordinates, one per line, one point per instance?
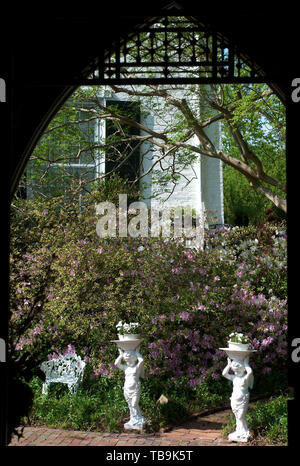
(70, 350)
(194, 382)
(201, 307)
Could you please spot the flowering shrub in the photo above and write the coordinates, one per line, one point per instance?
(259, 255)
(57, 353)
(69, 287)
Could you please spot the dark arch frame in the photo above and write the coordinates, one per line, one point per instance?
(38, 84)
(48, 83)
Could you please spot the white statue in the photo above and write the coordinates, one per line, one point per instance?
(134, 369)
(242, 380)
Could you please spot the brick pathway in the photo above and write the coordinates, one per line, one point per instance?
(199, 431)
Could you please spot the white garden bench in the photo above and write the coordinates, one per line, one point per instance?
(66, 369)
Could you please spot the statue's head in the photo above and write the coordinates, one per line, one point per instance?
(238, 367)
(130, 357)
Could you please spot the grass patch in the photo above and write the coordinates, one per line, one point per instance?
(100, 405)
(267, 419)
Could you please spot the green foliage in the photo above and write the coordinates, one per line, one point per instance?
(259, 255)
(242, 205)
(110, 188)
(262, 124)
(100, 406)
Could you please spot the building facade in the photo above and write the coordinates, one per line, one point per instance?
(199, 184)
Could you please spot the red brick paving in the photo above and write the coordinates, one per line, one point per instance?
(200, 431)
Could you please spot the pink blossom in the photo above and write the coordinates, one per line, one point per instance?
(255, 343)
(37, 330)
(267, 341)
(69, 350)
(188, 254)
(201, 307)
(53, 356)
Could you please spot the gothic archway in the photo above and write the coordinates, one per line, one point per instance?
(47, 95)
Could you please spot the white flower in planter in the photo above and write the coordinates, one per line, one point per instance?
(127, 328)
(236, 337)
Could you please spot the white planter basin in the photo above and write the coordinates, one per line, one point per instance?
(128, 344)
(238, 346)
(238, 354)
(129, 336)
